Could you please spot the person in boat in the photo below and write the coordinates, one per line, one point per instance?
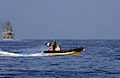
(53, 47)
(50, 47)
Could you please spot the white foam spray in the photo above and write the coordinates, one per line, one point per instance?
(3, 53)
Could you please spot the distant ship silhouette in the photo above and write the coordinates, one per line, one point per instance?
(7, 32)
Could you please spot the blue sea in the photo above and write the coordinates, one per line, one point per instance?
(25, 59)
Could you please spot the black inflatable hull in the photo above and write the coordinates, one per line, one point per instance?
(75, 51)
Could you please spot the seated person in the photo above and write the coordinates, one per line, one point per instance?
(57, 48)
(50, 47)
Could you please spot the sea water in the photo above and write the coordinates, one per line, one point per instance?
(25, 59)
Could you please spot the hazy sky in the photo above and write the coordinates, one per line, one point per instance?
(62, 19)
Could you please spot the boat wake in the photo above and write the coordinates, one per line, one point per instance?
(3, 53)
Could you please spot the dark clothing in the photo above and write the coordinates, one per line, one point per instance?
(54, 45)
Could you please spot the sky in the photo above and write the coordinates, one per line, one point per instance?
(62, 19)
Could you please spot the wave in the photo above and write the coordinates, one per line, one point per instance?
(3, 53)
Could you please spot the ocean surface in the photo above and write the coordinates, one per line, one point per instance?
(25, 59)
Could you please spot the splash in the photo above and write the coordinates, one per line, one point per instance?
(3, 53)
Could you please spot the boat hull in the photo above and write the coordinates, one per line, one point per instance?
(70, 52)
